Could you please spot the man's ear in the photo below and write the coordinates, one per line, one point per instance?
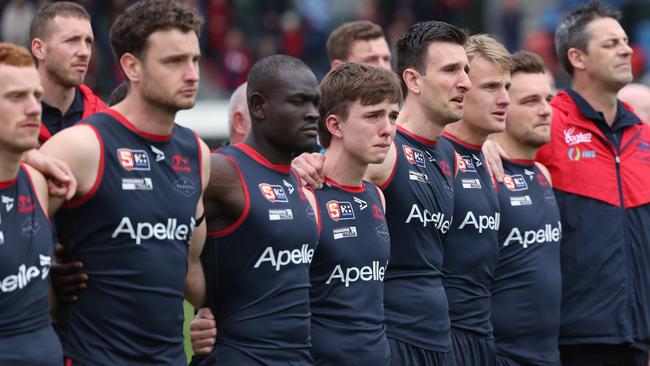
(412, 80)
(131, 66)
(238, 123)
(257, 104)
(576, 58)
(333, 125)
(336, 62)
(38, 49)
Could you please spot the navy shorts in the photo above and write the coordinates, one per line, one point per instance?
(227, 355)
(38, 348)
(404, 354)
(603, 355)
(470, 349)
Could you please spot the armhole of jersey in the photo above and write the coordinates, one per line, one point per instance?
(100, 172)
(247, 205)
(38, 200)
(385, 185)
(198, 146)
(317, 209)
(380, 194)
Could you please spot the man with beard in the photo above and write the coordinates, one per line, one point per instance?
(62, 40)
(140, 182)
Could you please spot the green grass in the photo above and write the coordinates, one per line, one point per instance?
(189, 315)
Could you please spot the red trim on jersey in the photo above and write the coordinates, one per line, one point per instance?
(392, 172)
(125, 122)
(423, 140)
(466, 144)
(353, 189)
(68, 361)
(38, 200)
(284, 169)
(44, 134)
(523, 161)
(8, 183)
(247, 206)
(100, 173)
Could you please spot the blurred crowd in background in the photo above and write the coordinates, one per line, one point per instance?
(239, 32)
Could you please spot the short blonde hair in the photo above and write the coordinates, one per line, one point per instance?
(482, 45)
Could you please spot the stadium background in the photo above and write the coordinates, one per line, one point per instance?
(239, 32)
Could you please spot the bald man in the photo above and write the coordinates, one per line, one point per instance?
(239, 119)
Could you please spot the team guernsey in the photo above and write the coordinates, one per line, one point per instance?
(347, 273)
(527, 285)
(471, 247)
(257, 270)
(26, 335)
(419, 195)
(131, 231)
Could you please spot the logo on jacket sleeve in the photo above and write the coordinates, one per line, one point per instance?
(133, 159)
(414, 156)
(340, 210)
(273, 192)
(515, 182)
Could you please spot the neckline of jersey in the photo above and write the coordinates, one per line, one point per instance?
(419, 138)
(248, 150)
(461, 142)
(353, 189)
(129, 125)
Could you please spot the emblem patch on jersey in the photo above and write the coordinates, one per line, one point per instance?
(414, 156)
(471, 183)
(465, 163)
(541, 179)
(185, 186)
(160, 155)
(530, 174)
(377, 212)
(8, 202)
(445, 168)
(133, 159)
(418, 176)
(181, 163)
(345, 232)
(550, 198)
(362, 204)
(278, 215)
(29, 227)
(340, 210)
(576, 154)
(382, 232)
(288, 185)
(137, 184)
(25, 204)
(521, 201)
(515, 182)
(273, 193)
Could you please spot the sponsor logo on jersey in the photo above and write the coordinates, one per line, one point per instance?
(515, 182)
(25, 204)
(137, 184)
(377, 212)
(471, 183)
(184, 186)
(141, 231)
(288, 185)
(418, 176)
(362, 204)
(576, 154)
(273, 193)
(374, 272)
(573, 138)
(548, 234)
(445, 168)
(477, 161)
(279, 215)
(160, 155)
(181, 163)
(340, 210)
(29, 227)
(283, 258)
(25, 275)
(426, 217)
(530, 174)
(133, 159)
(8, 202)
(521, 201)
(482, 222)
(464, 163)
(414, 156)
(344, 232)
(382, 232)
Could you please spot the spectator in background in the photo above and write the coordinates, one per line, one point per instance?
(638, 96)
(239, 119)
(15, 20)
(361, 42)
(236, 61)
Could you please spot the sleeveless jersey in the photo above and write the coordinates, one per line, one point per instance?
(347, 273)
(471, 247)
(419, 197)
(25, 255)
(257, 271)
(527, 285)
(132, 231)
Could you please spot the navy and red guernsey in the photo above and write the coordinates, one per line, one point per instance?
(601, 176)
(131, 231)
(26, 334)
(257, 270)
(419, 195)
(527, 282)
(471, 247)
(347, 274)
